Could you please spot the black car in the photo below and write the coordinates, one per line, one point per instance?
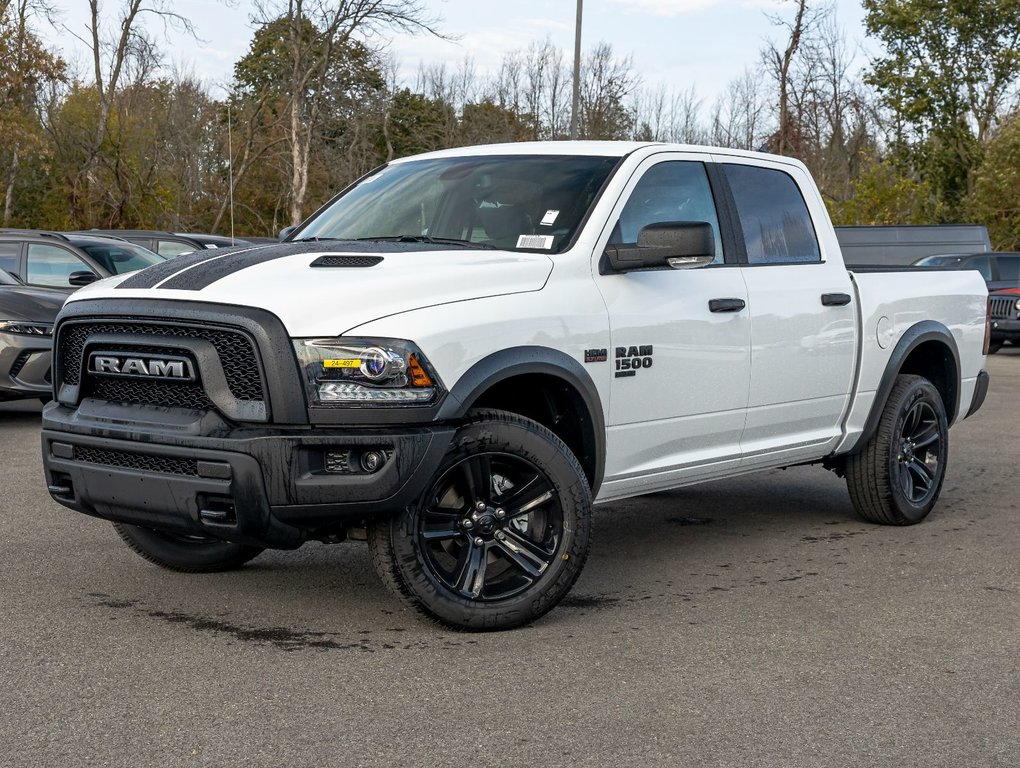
(170, 244)
(26, 324)
(67, 262)
(1000, 270)
(1004, 310)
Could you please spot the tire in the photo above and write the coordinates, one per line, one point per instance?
(897, 477)
(994, 347)
(186, 554)
(500, 534)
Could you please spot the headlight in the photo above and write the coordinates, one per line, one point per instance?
(1017, 305)
(357, 372)
(26, 329)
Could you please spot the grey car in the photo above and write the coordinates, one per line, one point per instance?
(26, 324)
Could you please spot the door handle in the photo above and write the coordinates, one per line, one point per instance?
(726, 305)
(835, 299)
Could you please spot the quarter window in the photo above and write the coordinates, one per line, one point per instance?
(773, 216)
(670, 191)
(52, 266)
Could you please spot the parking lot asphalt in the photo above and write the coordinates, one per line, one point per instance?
(752, 622)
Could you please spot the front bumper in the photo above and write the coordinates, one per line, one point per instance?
(267, 487)
(25, 366)
(1005, 330)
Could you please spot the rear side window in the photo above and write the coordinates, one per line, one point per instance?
(173, 248)
(52, 266)
(9, 257)
(1009, 268)
(773, 216)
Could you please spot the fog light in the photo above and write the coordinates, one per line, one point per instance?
(372, 460)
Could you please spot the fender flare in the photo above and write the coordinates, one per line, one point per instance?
(517, 361)
(915, 336)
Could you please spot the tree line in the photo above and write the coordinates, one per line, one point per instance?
(927, 132)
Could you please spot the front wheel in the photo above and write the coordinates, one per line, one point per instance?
(500, 534)
(896, 478)
(187, 554)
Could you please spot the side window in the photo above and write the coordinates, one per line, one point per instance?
(173, 248)
(9, 257)
(984, 265)
(1009, 268)
(52, 266)
(773, 216)
(670, 191)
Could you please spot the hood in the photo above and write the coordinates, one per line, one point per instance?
(37, 305)
(351, 283)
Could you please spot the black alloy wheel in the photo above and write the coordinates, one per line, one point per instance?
(491, 526)
(917, 460)
(501, 533)
(896, 477)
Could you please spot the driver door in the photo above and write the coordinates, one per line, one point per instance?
(680, 340)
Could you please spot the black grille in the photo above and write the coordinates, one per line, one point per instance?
(170, 465)
(346, 261)
(1002, 307)
(235, 350)
(142, 392)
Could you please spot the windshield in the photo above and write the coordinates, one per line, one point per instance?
(939, 261)
(510, 202)
(118, 258)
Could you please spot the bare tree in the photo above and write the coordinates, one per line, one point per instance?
(739, 118)
(606, 82)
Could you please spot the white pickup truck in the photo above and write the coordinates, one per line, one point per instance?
(463, 351)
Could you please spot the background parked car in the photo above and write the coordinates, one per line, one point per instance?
(170, 244)
(68, 261)
(26, 325)
(1000, 270)
(1004, 307)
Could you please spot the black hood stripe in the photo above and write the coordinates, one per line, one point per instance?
(205, 273)
(152, 276)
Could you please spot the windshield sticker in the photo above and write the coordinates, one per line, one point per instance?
(549, 219)
(545, 242)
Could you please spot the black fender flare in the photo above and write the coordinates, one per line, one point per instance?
(915, 336)
(517, 361)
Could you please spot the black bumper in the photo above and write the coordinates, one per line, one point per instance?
(1005, 330)
(260, 486)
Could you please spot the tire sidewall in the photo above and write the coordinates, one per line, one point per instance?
(921, 390)
(567, 479)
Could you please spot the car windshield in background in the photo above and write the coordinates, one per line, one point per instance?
(118, 258)
(529, 203)
(939, 261)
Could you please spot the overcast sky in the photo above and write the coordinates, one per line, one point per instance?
(706, 43)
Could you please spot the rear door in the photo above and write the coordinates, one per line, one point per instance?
(680, 369)
(802, 314)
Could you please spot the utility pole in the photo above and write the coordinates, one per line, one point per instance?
(576, 102)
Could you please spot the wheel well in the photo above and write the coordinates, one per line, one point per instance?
(553, 403)
(935, 361)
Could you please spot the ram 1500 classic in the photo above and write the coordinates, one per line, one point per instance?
(463, 351)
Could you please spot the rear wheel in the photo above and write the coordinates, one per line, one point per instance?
(187, 554)
(501, 533)
(897, 477)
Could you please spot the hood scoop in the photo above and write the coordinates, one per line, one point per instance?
(336, 260)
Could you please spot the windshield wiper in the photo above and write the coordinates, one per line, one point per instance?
(429, 239)
(313, 239)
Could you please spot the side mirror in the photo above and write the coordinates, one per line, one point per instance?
(672, 244)
(78, 279)
(286, 232)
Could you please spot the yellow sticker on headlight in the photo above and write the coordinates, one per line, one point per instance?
(341, 363)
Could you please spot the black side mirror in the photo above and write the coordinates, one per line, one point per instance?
(286, 232)
(78, 279)
(663, 245)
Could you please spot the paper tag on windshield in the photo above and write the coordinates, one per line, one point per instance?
(545, 242)
(549, 219)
